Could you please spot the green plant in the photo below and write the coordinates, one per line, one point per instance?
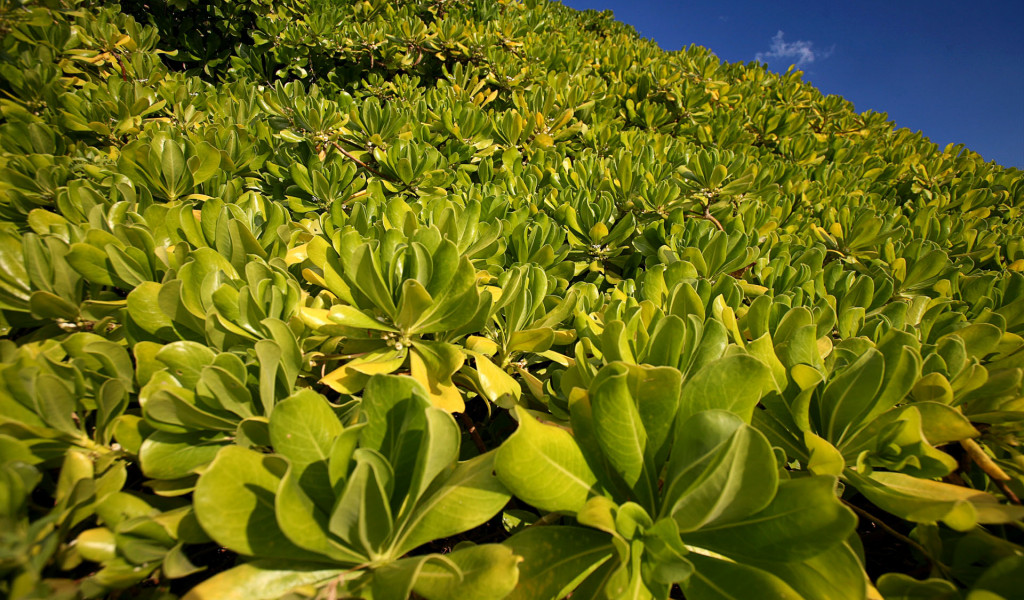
(485, 299)
(342, 505)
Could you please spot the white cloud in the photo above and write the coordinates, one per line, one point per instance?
(800, 53)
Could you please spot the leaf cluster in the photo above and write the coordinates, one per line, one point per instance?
(487, 299)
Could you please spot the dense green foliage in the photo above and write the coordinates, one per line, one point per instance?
(482, 299)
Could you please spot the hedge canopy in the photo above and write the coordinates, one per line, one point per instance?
(482, 299)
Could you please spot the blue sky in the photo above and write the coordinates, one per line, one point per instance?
(952, 70)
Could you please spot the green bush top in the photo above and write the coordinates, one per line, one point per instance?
(456, 299)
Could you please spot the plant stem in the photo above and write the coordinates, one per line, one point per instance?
(711, 217)
(547, 519)
(989, 466)
(906, 540)
(349, 156)
(473, 433)
(124, 72)
(1005, 488)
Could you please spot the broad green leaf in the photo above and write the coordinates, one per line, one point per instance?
(721, 470)
(622, 435)
(269, 354)
(717, 579)
(900, 376)
(11, 410)
(531, 340)
(353, 317)
(934, 387)
(804, 519)
(90, 262)
(627, 581)
(763, 350)
(980, 339)
(185, 361)
(585, 435)
(781, 432)
(835, 573)
(208, 162)
(351, 377)
(234, 502)
(404, 169)
(362, 516)
(188, 321)
(433, 364)
(173, 165)
(714, 340)
(362, 269)
(542, 465)
(175, 455)
(943, 424)
(291, 354)
(129, 431)
(497, 385)
(850, 396)
(394, 579)
(169, 407)
(15, 486)
(342, 449)
(56, 404)
(219, 389)
(734, 383)
(447, 276)
(456, 299)
(177, 565)
(483, 345)
(471, 495)
(896, 441)
(473, 573)
(824, 458)
(665, 552)
(121, 507)
(616, 344)
(13, 449)
(378, 362)
(111, 402)
(414, 304)
(599, 512)
(128, 269)
(261, 580)
(666, 344)
(1003, 578)
(303, 429)
(556, 559)
(807, 379)
(796, 338)
(305, 524)
(300, 175)
(655, 391)
(897, 586)
(97, 545)
(685, 301)
(393, 403)
(925, 501)
(439, 452)
(45, 305)
(418, 441)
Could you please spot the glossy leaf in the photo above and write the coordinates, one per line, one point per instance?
(557, 559)
(260, 580)
(234, 502)
(542, 465)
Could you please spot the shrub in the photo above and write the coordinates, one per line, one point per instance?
(487, 299)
